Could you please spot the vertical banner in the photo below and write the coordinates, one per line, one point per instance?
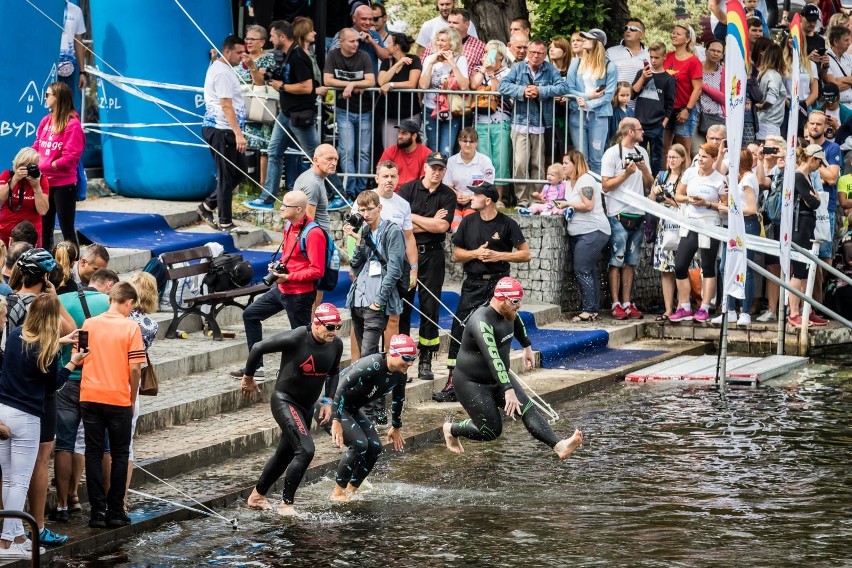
(736, 76)
(790, 158)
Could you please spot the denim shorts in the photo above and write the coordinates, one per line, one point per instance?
(687, 129)
(625, 247)
(826, 249)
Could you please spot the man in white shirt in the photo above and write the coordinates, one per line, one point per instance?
(840, 63)
(224, 118)
(424, 38)
(630, 55)
(625, 166)
(72, 52)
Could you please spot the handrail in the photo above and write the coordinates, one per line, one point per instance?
(36, 557)
(822, 263)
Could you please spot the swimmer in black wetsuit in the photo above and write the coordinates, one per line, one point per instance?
(483, 382)
(370, 378)
(310, 358)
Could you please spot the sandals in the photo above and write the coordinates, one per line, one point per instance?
(662, 318)
(584, 317)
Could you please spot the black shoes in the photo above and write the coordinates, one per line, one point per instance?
(98, 520)
(448, 393)
(116, 520)
(59, 516)
(207, 216)
(424, 369)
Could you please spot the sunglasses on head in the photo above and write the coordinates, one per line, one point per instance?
(632, 29)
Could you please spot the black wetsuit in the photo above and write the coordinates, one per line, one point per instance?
(366, 380)
(306, 365)
(482, 378)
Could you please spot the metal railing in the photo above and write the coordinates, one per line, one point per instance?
(26, 517)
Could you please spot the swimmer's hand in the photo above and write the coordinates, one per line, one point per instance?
(324, 414)
(249, 387)
(513, 405)
(395, 436)
(337, 433)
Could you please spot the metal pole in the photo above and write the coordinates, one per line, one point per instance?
(722, 374)
(782, 320)
(806, 309)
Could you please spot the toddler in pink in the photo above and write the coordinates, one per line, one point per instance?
(554, 190)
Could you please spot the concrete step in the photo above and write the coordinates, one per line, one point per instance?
(176, 213)
(245, 237)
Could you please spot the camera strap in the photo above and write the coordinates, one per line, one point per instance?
(84, 304)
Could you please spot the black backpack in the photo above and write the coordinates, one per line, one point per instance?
(228, 271)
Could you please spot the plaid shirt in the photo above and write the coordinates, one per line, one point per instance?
(473, 49)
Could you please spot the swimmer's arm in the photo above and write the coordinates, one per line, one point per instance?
(397, 401)
(283, 342)
(521, 333)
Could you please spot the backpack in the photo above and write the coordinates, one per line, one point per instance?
(158, 270)
(16, 310)
(328, 281)
(772, 206)
(228, 271)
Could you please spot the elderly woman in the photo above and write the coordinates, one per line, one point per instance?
(588, 230)
(257, 133)
(399, 72)
(445, 70)
(23, 194)
(699, 192)
(493, 114)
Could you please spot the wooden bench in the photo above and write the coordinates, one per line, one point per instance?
(193, 262)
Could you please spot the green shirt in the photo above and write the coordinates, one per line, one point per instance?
(98, 303)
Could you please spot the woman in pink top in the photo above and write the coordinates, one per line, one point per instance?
(59, 143)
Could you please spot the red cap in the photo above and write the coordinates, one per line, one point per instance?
(326, 314)
(402, 345)
(508, 288)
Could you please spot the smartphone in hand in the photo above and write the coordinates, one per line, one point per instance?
(82, 340)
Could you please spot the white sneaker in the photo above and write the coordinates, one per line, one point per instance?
(744, 319)
(16, 550)
(28, 546)
(767, 317)
(718, 319)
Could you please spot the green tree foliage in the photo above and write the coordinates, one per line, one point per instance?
(660, 16)
(555, 18)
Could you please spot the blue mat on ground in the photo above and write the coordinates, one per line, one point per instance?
(605, 359)
(558, 344)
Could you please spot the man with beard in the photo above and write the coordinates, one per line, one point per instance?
(409, 154)
(483, 381)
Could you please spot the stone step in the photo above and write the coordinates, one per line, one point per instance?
(245, 237)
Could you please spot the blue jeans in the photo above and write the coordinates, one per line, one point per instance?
(625, 246)
(307, 138)
(355, 130)
(594, 134)
(752, 227)
(586, 253)
(441, 135)
(826, 250)
(298, 307)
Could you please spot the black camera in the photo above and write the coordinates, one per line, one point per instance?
(277, 72)
(636, 158)
(661, 197)
(276, 268)
(354, 220)
(33, 171)
(770, 151)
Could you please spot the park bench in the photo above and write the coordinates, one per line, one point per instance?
(191, 263)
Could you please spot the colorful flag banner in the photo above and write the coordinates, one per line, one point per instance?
(736, 76)
(790, 158)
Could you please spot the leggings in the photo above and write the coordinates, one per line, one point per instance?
(360, 435)
(686, 252)
(62, 202)
(295, 450)
(483, 402)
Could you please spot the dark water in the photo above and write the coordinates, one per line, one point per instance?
(670, 475)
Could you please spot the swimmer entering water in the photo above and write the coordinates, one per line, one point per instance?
(370, 378)
(482, 380)
(310, 358)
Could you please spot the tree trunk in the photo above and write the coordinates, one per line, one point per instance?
(492, 17)
(616, 17)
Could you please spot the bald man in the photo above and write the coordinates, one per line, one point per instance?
(369, 40)
(313, 184)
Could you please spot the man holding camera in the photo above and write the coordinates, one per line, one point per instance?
(293, 78)
(432, 206)
(625, 166)
(294, 275)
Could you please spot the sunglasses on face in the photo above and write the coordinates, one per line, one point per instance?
(514, 301)
(632, 29)
(332, 327)
(409, 358)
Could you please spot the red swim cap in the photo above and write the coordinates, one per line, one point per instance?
(402, 345)
(326, 314)
(508, 288)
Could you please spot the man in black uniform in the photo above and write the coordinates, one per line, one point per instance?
(484, 243)
(310, 357)
(483, 381)
(432, 206)
(369, 378)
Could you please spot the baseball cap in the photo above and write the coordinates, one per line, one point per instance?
(486, 189)
(326, 314)
(402, 346)
(595, 34)
(436, 159)
(810, 12)
(830, 90)
(816, 151)
(508, 288)
(408, 125)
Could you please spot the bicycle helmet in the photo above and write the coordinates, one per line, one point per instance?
(36, 261)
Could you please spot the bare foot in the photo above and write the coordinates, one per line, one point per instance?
(258, 501)
(286, 510)
(453, 443)
(339, 494)
(565, 448)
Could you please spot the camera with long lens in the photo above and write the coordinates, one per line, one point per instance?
(276, 269)
(33, 171)
(277, 72)
(354, 220)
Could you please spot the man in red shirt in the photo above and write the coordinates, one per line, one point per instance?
(297, 271)
(409, 155)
